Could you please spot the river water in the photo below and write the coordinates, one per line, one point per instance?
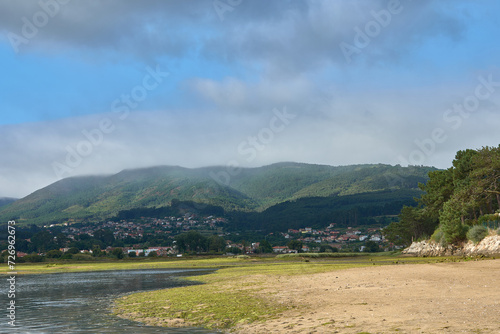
(81, 302)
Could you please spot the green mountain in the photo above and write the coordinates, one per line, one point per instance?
(6, 200)
(243, 190)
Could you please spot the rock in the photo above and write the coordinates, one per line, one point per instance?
(488, 246)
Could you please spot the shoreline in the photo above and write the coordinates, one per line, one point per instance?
(306, 297)
(146, 263)
(64, 267)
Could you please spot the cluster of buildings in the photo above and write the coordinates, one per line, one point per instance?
(170, 225)
(331, 236)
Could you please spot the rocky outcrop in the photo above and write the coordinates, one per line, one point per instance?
(488, 246)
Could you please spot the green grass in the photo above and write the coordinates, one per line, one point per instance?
(236, 293)
(318, 255)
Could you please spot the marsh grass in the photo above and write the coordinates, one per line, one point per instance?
(319, 255)
(226, 297)
(234, 294)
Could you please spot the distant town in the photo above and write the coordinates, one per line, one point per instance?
(157, 237)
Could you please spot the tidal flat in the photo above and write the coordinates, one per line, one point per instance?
(313, 293)
(262, 295)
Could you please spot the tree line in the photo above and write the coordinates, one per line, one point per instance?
(454, 200)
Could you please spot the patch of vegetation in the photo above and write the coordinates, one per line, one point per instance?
(477, 233)
(209, 307)
(438, 237)
(318, 255)
(82, 257)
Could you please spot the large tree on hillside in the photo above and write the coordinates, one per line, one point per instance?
(455, 198)
(486, 174)
(413, 224)
(438, 190)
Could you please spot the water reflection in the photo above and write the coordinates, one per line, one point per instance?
(80, 302)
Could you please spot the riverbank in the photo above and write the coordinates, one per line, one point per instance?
(136, 264)
(324, 296)
(58, 266)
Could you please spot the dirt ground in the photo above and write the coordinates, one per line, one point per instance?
(459, 297)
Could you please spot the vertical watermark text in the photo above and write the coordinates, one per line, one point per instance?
(11, 274)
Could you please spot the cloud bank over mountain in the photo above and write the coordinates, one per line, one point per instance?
(99, 86)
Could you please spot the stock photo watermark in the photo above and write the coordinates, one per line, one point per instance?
(371, 30)
(11, 274)
(223, 6)
(31, 26)
(252, 145)
(122, 107)
(248, 150)
(453, 118)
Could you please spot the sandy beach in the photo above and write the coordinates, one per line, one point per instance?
(459, 297)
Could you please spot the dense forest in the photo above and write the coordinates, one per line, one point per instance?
(372, 208)
(93, 198)
(457, 203)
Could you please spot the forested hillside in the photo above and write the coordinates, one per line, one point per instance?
(370, 208)
(246, 190)
(457, 203)
(6, 200)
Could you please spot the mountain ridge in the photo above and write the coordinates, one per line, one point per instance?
(7, 200)
(246, 189)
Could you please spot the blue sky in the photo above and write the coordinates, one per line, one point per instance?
(232, 67)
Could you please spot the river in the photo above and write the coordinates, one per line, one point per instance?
(81, 302)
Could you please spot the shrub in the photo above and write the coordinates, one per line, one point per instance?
(82, 257)
(117, 252)
(477, 233)
(54, 254)
(33, 258)
(327, 249)
(73, 250)
(438, 237)
(371, 247)
(498, 231)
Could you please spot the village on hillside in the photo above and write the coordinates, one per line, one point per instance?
(153, 236)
